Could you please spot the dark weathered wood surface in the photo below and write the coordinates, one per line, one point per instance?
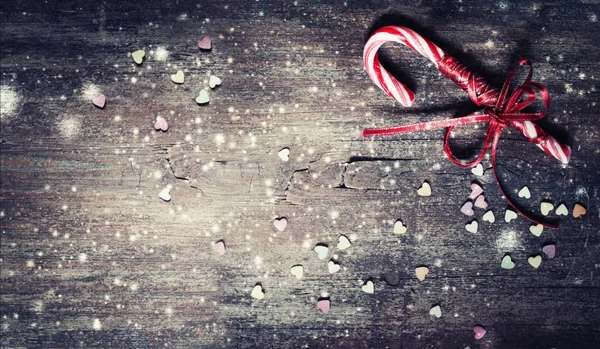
(85, 238)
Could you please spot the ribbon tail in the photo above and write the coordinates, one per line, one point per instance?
(425, 126)
(494, 147)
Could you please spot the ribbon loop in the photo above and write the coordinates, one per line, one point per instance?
(500, 109)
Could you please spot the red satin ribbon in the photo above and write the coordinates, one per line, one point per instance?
(508, 108)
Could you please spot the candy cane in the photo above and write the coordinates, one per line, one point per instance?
(480, 91)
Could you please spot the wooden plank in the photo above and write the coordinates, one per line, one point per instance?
(86, 241)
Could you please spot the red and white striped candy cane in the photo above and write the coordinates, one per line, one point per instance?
(480, 91)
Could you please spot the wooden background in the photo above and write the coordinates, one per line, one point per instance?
(86, 240)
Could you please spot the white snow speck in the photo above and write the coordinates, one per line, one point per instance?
(10, 101)
(161, 54)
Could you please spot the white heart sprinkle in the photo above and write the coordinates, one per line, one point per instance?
(368, 287)
(257, 292)
(333, 267)
(322, 251)
(399, 228)
(472, 227)
(284, 154)
(165, 194)
(343, 243)
(477, 170)
(562, 210)
(214, 81)
(507, 262)
(297, 271)
(535, 261)
(421, 272)
(536, 229)
(524, 193)
(546, 207)
(425, 190)
(509, 215)
(435, 311)
(203, 97)
(138, 56)
(489, 217)
(178, 77)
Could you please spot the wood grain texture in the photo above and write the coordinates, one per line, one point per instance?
(86, 240)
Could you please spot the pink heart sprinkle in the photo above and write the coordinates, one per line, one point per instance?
(205, 43)
(549, 250)
(280, 223)
(467, 208)
(476, 189)
(161, 124)
(479, 332)
(480, 202)
(324, 305)
(99, 101)
(219, 247)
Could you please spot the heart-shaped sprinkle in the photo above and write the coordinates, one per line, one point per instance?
(578, 210)
(284, 154)
(425, 189)
(392, 279)
(562, 210)
(280, 223)
(535, 261)
(507, 262)
(333, 267)
(472, 227)
(467, 208)
(549, 250)
(178, 77)
(138, 56)
(324, 305)
(165, 194)
(477, 170)
(99, 101)
(476, 189)
(219, 247)
(489, 217)
(509, 215)
(479, 332)
(161, 124)
(297, 271)
(368, 287)
(421, 272)
(203, 97)
(480, 202)
(322, 251)
(343, 243)
(524, 193)
(399, 228)
(214, 81)
(205, 43)
(436, 311)
(257, 292)
(546, 207)
(536, 229)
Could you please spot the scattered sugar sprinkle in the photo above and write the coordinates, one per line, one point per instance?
(69, 127)
(90, 91)
(161, 54)
(10, 100)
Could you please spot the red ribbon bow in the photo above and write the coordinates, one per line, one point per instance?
(501, 110)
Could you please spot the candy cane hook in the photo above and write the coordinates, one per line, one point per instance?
(478, 89)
